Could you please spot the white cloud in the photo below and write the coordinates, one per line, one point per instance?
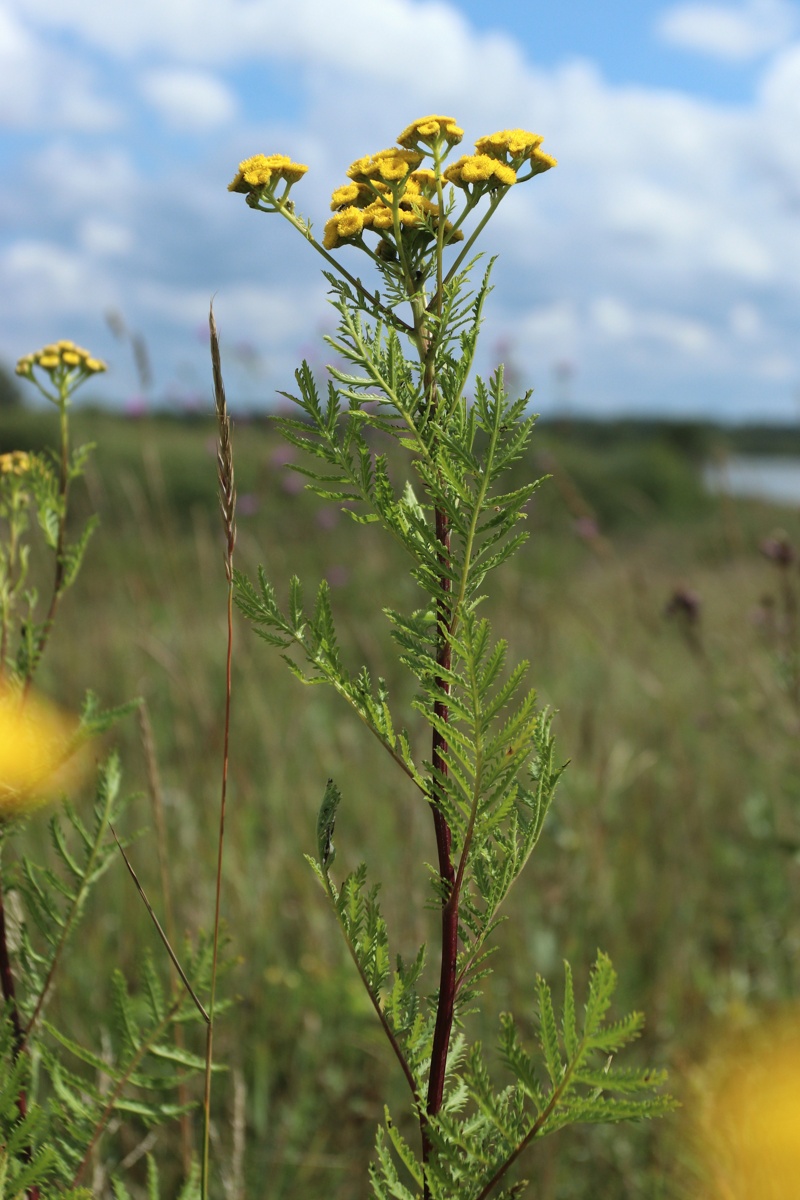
(398, 41)
(746, 322)
(48, 282)
(615, 320)
(667, 225)
(41, 85)
(734, 33)
(104, 238)
(189, 101)
(779, 368)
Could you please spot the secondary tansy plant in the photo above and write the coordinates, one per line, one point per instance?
(476, 750)
(62, 1102)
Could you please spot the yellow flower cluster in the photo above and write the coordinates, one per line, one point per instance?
(15, 462)
(264, 169)
(360, 206)
(480, 168)
(509, 144)
(428, 130)
(421, 183)
(60, 357)
(395, 179)
(392, 165)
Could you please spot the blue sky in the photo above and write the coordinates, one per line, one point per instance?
(656, 271)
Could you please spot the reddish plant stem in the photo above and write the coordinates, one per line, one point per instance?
(449, 952)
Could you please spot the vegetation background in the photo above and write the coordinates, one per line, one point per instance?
(657, 627)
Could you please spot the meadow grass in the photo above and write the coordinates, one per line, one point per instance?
(674, 845)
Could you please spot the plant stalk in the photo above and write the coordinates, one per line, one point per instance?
(227, 493)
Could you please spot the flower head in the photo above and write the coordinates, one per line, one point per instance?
(541, 162)
(15, 462)
(344, 225)
(424, 179)
(746, 1114)
(390, 165)
(35, 742)
(509, 144)
(358, 194)
(480, 168)
(428, 130)
(265, 170)
(63, 361)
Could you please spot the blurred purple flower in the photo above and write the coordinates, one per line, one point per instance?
(587, 528)
(337, 576)
(292, 483)
(136, 406)
(248, 504)
(327, 518)
(281, 455)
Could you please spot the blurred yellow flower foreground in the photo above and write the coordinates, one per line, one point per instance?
(36, 752)
(748, 1118)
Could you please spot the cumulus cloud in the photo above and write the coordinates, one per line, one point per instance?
(661, 259)
(189, 101)
(734, 33)
(42, 85)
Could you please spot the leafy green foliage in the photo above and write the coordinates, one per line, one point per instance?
(134, 1074)
(492, 772)
(53, 1118)
(189, 1191)
(137, 1073)
(482, 1131)
(26, 1159)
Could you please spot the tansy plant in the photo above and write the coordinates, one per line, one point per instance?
(476, 750)
(58, 1097)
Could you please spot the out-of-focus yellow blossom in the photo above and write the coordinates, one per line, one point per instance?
(480, 168)
(63, 361)
(509, 144)
(35, 740)
(428, 130)
(15, 462)
(391, 165)
(746, 1120)
(262, 169)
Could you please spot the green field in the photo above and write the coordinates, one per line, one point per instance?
(673, 844)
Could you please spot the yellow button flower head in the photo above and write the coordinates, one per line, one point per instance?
(424, 179)
(263, 170)
(428, 130)
(541, 161)
(390, 165)
(357, 194)
(34, 742)
(480, 168)
(342, 227)
(509, 144)
(378, 216)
